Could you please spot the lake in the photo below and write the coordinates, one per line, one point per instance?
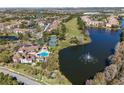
(71, 62)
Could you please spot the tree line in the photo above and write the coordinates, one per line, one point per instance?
(8, 80)
(81, 24)
(122, 36)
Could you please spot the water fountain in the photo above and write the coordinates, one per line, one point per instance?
(87, 33)
(87, 58)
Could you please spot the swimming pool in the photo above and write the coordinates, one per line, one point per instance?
(43, 54)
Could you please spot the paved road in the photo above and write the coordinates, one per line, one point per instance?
(19, 77)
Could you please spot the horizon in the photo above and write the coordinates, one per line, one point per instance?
(61, 7)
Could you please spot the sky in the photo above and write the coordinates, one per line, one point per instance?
(61, 3)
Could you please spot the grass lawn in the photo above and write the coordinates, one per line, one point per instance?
(72, 28)
(28, 70)
(73, 31)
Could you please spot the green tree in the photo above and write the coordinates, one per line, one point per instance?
(74, 40)
(81, 24)
(20, 35)
(5, 56)
(62, 32)
(38, 28)
(46, 36)
(68, 18)
(122, 36)
(41, 41)
(8, 80)
(25, 36)
(63, 28)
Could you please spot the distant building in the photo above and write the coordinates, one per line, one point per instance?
(111, 21)
(90, 22)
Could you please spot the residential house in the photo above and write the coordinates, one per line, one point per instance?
(54, 25)
(112, 21)
(26, 54)
(90, 22)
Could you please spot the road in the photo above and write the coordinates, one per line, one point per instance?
(22, 78)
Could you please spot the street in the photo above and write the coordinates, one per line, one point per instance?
(19, 77)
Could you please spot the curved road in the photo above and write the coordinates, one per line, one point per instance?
(26, 80)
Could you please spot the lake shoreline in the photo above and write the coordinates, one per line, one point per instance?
(112, 74)
(99, 38)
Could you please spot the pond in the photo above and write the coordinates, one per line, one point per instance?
(8, 38)
(71, 62)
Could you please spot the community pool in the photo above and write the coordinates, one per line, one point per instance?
(43, 54)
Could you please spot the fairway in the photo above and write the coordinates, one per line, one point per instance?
(73, 31)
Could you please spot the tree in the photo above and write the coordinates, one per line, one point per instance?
(39, 28)
(99, 79)
(41, 41)
(20, 35)
(25, 36)
(2, 42)
(68, 18)
(74, 40)
(46, 36)
(1, 76)
(5, 56)
(122, 36)
(8, 80)
(23, 25)
(81, 24)
(62, 32)
(63, 28)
